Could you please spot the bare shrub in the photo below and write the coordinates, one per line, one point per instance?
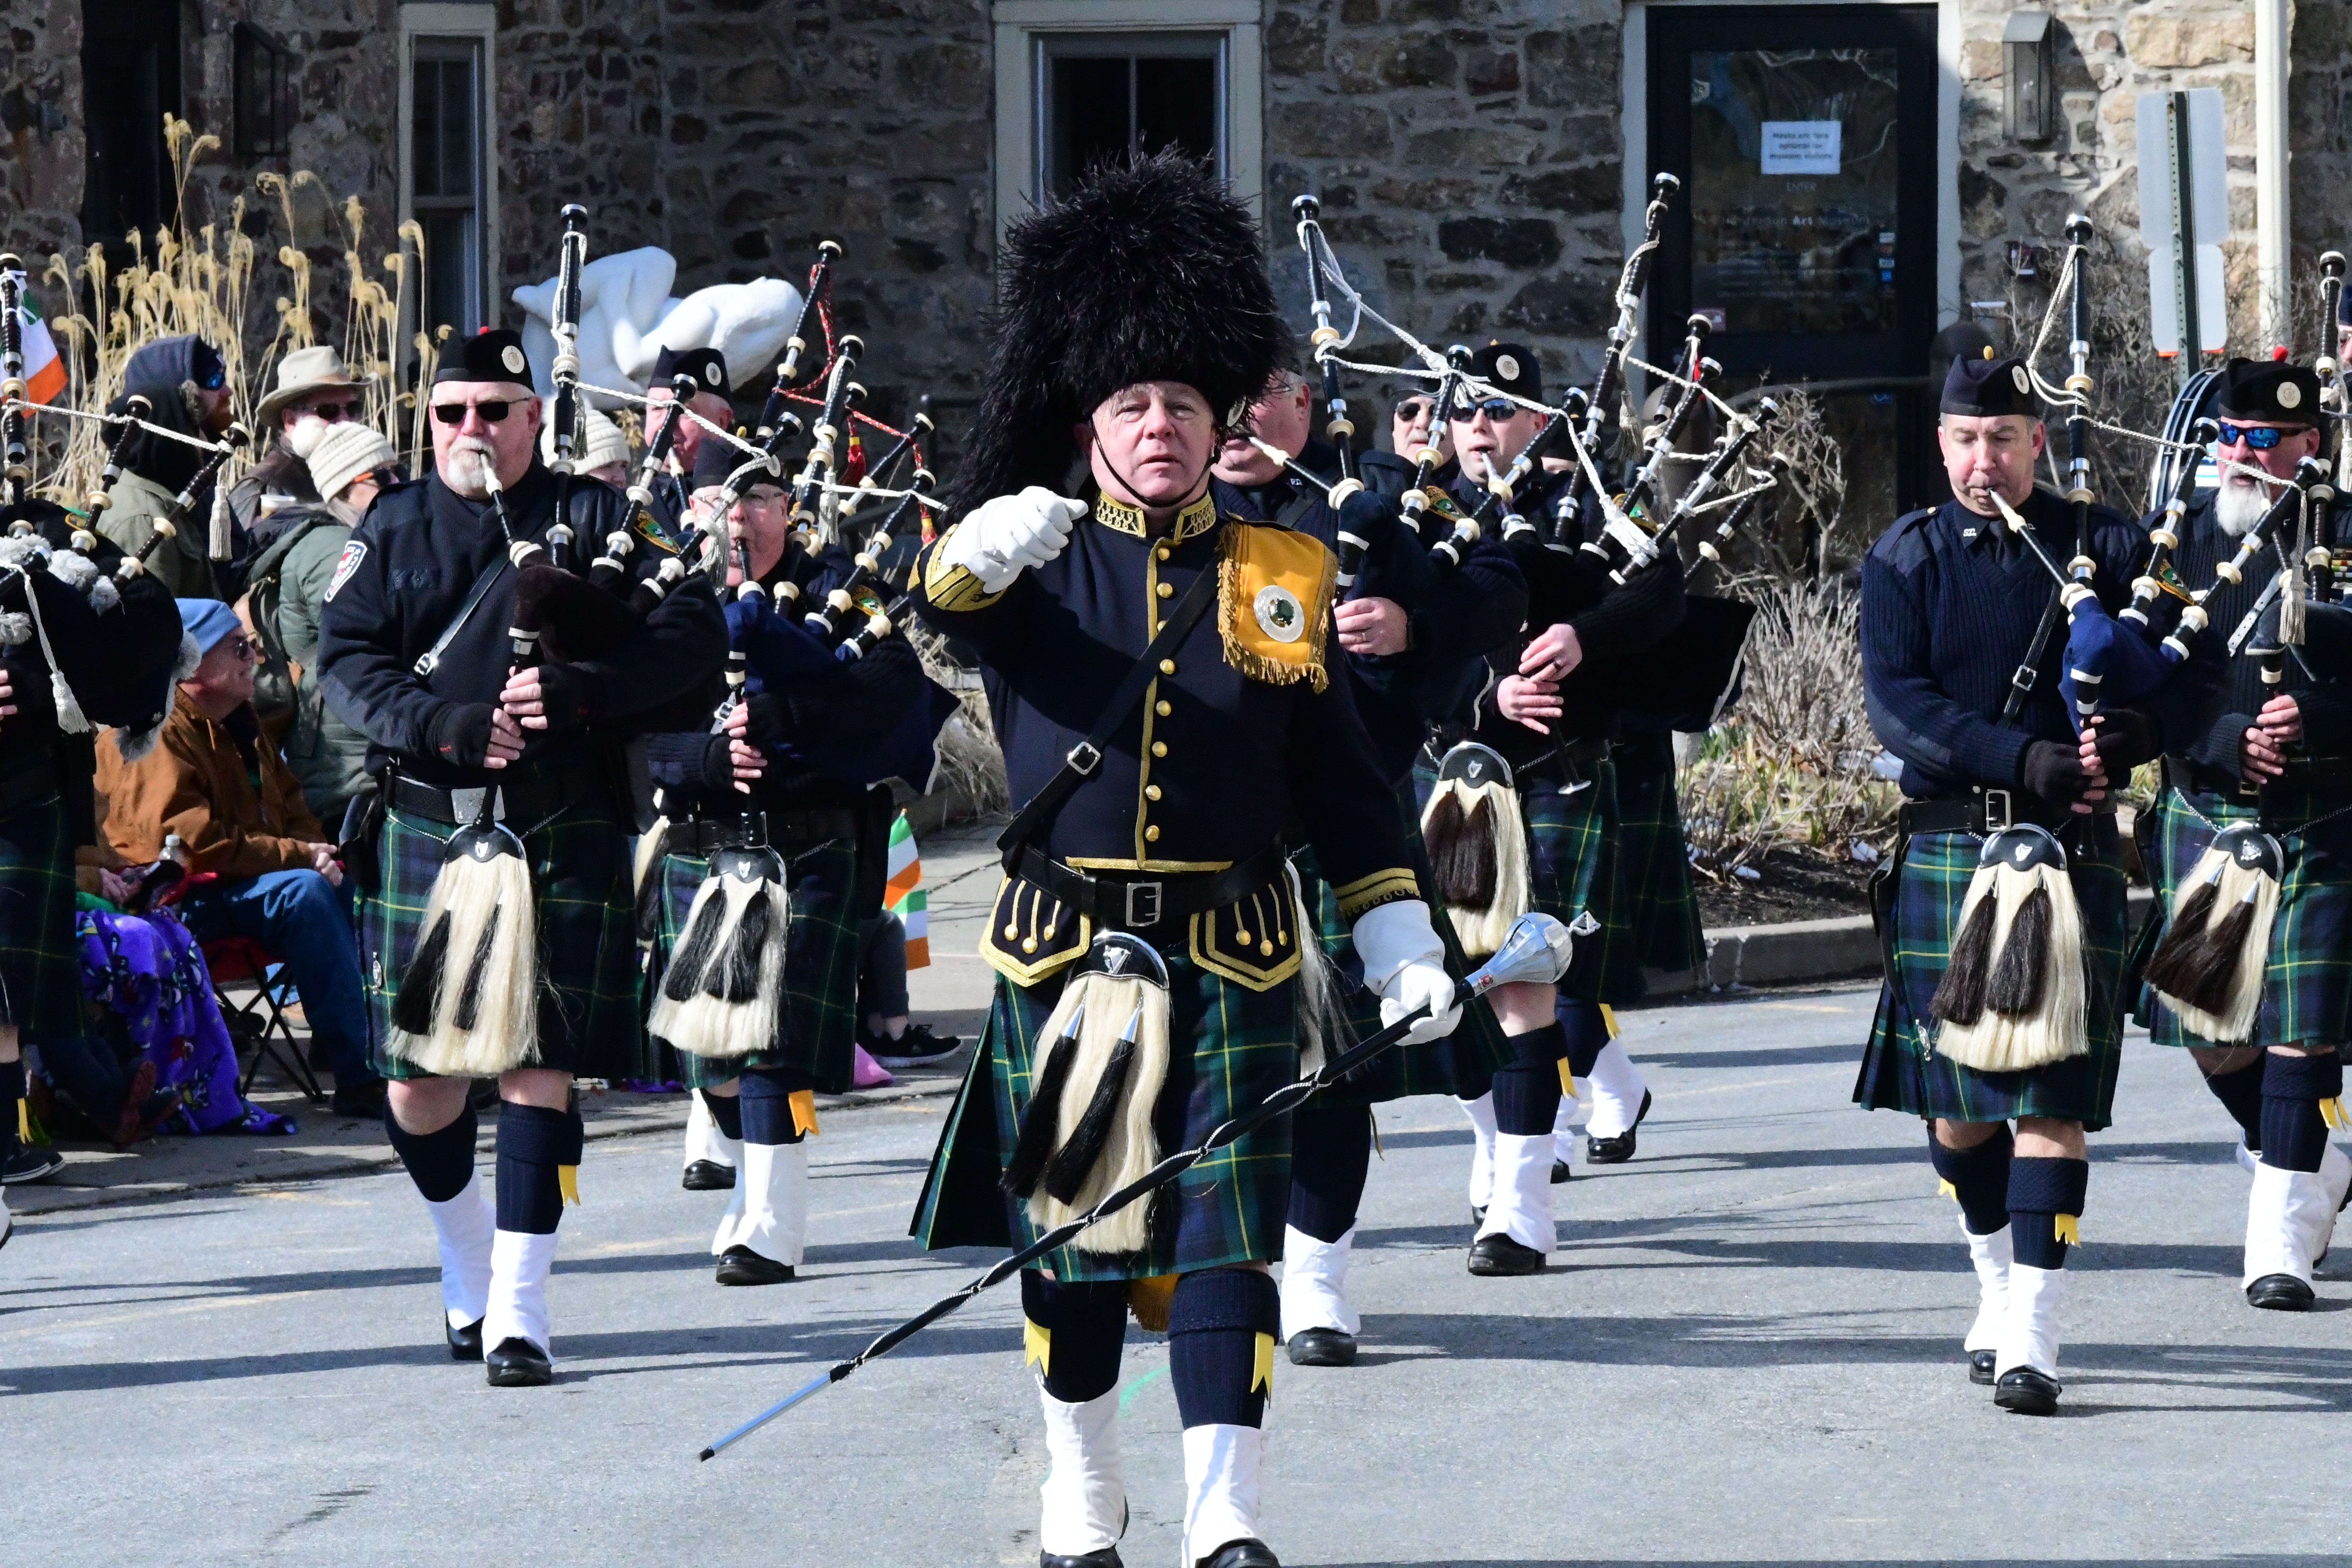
(970, 761)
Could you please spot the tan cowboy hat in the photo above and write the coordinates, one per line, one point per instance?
(303, 372)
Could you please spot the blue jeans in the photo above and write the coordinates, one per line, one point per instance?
(304, 921)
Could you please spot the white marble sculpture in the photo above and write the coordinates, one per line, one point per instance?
(627, 316)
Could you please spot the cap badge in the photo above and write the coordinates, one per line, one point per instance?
(2289, 395)
(2024, 382)
(513, 359)
(1507, 366)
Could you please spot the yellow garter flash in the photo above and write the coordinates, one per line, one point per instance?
(2069, 1229)
(1262, 1375)
(1609, 1020)
(567, 1182)
(1037, 1347)
(1148, 1299)
(803, 1104)
(1567, 1078)
(2330, 1111)
(1946, 1190)
(1274, 604)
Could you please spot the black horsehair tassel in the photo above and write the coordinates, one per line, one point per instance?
(2184, 954)
(419, 996)
(1076, 1158)
(2019, 976)
(1960, 996)
(686, 965)
(1041, 1120)
(2210, 972)
(1462, 850)
(477, 972)
(736, 978)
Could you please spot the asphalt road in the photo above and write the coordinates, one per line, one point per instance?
(1747, 1352)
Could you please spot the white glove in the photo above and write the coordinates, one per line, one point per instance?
(1405, 963)
(1004, 537)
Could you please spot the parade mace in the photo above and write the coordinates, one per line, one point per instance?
(1535, 952)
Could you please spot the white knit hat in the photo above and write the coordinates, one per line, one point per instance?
(344, 453)
(605, 442)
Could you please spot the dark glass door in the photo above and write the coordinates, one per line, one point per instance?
(1804, 137)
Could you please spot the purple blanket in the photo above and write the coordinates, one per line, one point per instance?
(149, 971)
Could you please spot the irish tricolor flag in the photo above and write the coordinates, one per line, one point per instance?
(45, 373)
(904, 893)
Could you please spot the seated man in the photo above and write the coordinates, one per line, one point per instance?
(215, 782)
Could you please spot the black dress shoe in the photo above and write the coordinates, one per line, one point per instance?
(707, 1176)
(1498, 1254)
(1245, 1554)
(466, 1343)
(2279, 1293)
(1322, 1347)
(741, 1266)
(1107, 1558)
(1560, 1171)
(1981, 1365)
(1617, 1150)
(519, 1364)
(2027, 1392)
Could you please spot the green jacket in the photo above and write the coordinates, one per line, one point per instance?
(183, 565)
(286, 588)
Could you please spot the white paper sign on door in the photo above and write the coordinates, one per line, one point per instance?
(1801, 147)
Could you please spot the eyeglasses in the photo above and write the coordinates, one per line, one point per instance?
(1496, 409)
(1413, 410)
(492, 412)
(335, 413)
(242, 646)
(2260, 437)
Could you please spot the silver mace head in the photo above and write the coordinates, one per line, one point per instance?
(1534, 951)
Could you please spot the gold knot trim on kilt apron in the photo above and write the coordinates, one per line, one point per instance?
(577, 856)
(1901, 1067)
(2304, 970)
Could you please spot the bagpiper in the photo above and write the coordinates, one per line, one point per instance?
(1159, 674)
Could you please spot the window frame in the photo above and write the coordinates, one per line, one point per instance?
(432, 27)
(254, 49)
(1197, 43)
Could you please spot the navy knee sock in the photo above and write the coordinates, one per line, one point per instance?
(1084, 1325)
(1331, 1153)
(1979, 1178)
(2294, 1135)
(12, 1095)
(2040, 1192)
(767, 1104)
(2241, 1094)
(1215, 1326)
(726, 1110)
(1588, 1034)
(533, 1141)
(1527, 1093)
(440, 1164)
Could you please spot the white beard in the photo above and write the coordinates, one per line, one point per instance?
(304, 439)
(470, 467)
(2239, 504)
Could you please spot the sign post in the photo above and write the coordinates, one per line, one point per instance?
(2184, 216)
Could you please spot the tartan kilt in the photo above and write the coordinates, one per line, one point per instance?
(580, 875)
(2308, 976)
(40, 964)
(1661, 904)
(1900, 1068)
(820, 1003)
(1229, 1208)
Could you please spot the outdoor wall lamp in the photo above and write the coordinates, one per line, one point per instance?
(2025, 76)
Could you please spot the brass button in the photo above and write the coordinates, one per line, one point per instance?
(1151, 834)
(1161, 707)
(1161, 552)
(1265, 947)
(1167, 667)
(1159, 748)
(1151, 792)
(1029, 944)
(1243, 937)
(1167, 590)
(1010, 931)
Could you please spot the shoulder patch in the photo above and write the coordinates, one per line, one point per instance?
(649, 529)
(1442, 502)
(354, 551)
(1274, 602)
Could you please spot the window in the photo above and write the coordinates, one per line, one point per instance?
(1105, 97)
(265, 108)
(131, 76)
(448, 172)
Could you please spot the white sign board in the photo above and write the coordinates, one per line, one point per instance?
(1803, 146)
(2206, 214)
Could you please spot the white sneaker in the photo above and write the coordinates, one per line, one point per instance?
(1221, 1487)
(1314, 1283)
(1084, 1496)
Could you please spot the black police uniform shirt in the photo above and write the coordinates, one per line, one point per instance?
(1216, 759)
(2214, 748)
(406, 572)
(1949, 604)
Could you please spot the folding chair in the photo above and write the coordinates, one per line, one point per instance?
(259, 1025)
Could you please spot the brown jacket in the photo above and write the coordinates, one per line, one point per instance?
(193, 783)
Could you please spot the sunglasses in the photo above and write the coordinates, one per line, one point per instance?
(492, 412)
(1414, 409)
(2260, 437)
(1496, 409)
(215, 379)
(241, 646)
(334, 413)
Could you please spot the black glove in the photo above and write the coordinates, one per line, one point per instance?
(771, 720)
(460, 733)
(2126, 737)
(564, 696)
(718, 762)
(2054, 772)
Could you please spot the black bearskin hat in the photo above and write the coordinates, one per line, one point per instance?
(1148, 270)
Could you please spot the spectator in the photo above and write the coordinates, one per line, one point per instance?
(285, 589)
(186, 388)
(315, 392)
(884, 1032)
(217, 782)
(604, 454)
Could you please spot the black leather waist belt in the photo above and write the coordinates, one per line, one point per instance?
(1141, 900)
(2302, 774)
(531, 797)
(707, 835)
(1573, 760)
(1983, 811)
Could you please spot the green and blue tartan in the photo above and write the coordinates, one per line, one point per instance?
(1900, 1067)
(1229, 1208)
(819, 1002)
(40, 962)
(2308, 976)
(580, 877)
(1661, 904)
(1463, 1063)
